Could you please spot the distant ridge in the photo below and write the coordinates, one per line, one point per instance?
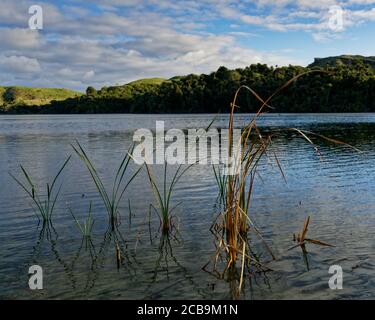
(349, 86)
(342, 60)
(155, 81)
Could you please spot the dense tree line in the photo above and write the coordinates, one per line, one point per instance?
(344, 88)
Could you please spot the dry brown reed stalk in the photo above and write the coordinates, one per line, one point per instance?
(233, 225)
(118, 256)
(301, 239)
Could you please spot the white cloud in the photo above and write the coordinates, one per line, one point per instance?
(89, 75)
(17, 38)
(131, 39)
(19, 64)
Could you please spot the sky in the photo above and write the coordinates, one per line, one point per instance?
(112, 42)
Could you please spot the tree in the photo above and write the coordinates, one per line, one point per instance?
(91, 91)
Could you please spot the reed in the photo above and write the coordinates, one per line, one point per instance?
(44, 203)
(236, 191)
(164, 194)
(221, 181)
(234, 225)
(112, 198)
(302, 240)
(86, 226)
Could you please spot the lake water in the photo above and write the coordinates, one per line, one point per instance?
(336, 190)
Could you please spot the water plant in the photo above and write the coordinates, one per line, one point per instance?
(44, 203)
(234, 227)
(221, 181)
(233, 223)
(112, 198)
(86, 226)
(164, 194)
(301, 239)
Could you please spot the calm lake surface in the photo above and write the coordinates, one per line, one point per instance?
(337, 190)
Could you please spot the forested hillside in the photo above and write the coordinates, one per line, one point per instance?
(339, 88)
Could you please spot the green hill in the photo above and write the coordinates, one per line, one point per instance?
(33, 96)
(129, 90)
(342, 60)
(146, 81)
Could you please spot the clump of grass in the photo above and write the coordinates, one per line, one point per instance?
(111, 199)
(86, 226)
(164, 194)
(231, 228)
(44, 203)
(234, 222)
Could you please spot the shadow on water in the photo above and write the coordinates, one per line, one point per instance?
(87, 254)
(305, 255)
(88, 247)
(49, 236)
(165, 262)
